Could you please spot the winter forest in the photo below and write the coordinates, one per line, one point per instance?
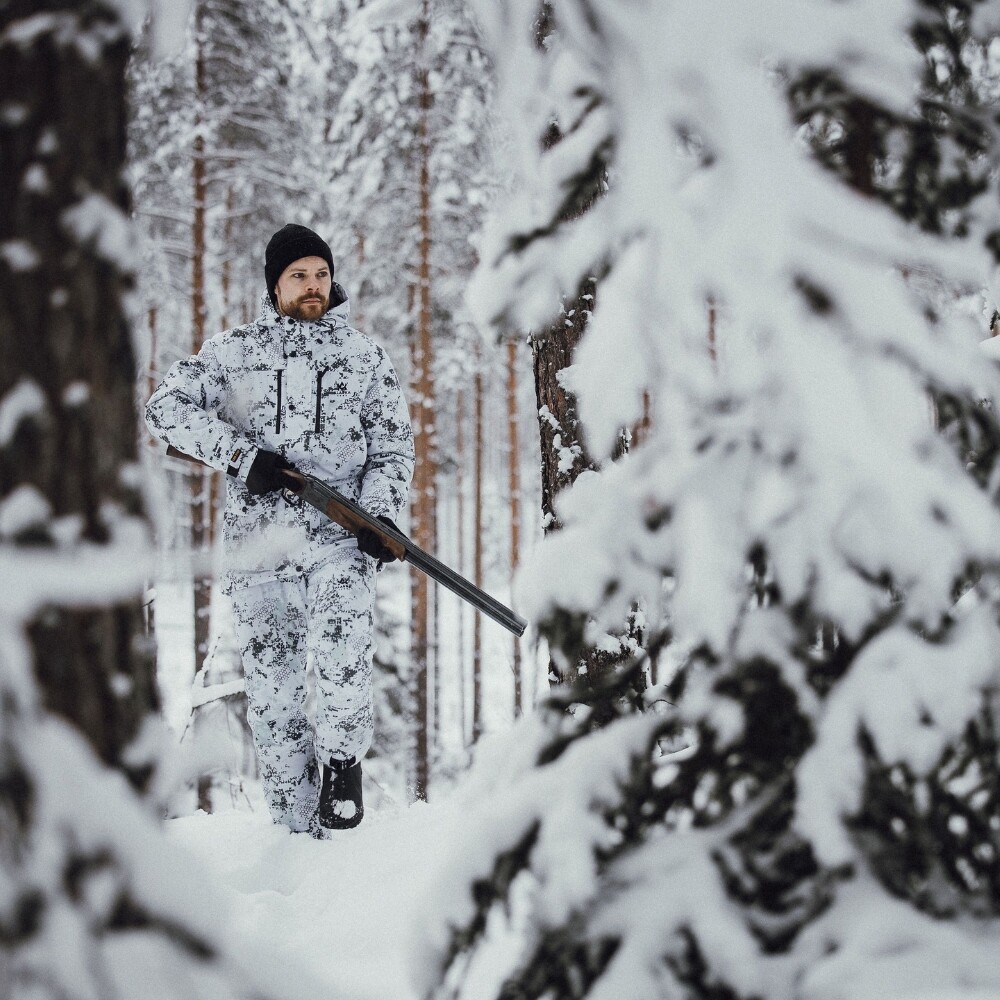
(695, 309)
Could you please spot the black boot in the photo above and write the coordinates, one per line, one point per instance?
(340, 805)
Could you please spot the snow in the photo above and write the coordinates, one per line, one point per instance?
(340, 910)
(907, 696)
(12, 114)
(96, 221)
(24, 507)
(810, 434)
(36, 179)
(991, 347)
(26, 30)
(76, 394)
(19, 255)
(23, 401)
(380, 13)
(202, 695)
(167, 21)
(345, 810)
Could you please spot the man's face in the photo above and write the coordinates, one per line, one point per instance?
(303, 290)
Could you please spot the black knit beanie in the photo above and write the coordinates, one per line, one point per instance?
(288, 244)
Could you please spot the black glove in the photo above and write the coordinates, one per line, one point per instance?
(267, 474)
(371, 544)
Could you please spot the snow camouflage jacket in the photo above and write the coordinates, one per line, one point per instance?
(318, 392)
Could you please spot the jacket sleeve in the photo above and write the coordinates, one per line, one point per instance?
(386, 423)
(179, 413)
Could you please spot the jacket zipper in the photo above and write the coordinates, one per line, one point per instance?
(277, 417)
(319, 399)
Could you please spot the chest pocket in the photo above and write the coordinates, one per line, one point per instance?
(337, 421)
(338, 402)
(255, 399)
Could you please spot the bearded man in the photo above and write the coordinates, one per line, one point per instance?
(298, 389)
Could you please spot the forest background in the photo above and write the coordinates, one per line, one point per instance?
(688, 300)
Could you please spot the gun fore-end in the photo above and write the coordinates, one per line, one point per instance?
(354, 525)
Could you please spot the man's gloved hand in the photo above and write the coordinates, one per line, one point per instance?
(267, 474)
(371, 545)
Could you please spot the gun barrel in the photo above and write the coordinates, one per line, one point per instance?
(351, 515)
(466, 590)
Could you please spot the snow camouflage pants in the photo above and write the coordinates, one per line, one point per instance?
(326, 618)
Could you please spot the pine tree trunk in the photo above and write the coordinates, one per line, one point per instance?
(434, 659)
(477, 542)
(859, 146)
(152, 375)
(221, 664)
(227, 263)
(713, 347)
(65, 270)
(423, 493)
(64, 339)
(359, 316)
(420, 525)
(564, 455)
(460, 556)
(200, 480)
(200, 487)
(514, 488)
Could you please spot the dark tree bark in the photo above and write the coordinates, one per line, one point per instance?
(559, 429)
(63, 334)
(514, 492)
(68, 462)
(564, 453)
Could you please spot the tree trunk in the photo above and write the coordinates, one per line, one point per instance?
(514, 488)
(460, 555)
(227, 262)
(422, 375)
(359, 316)
(65, 343)
(713, 347)
(68, 461)
(564, 455)
(859, 146)
(152, 373)
(477, 543)
(200, 481)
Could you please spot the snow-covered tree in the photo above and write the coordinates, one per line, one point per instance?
(832, 829)
(410, 177)
(95, 901)
(225, 140)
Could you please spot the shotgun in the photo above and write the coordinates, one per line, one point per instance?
(351, 516)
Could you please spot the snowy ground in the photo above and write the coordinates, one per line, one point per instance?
(341, 911)
(345, 912)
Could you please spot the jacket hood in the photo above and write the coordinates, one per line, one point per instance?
(340, 307)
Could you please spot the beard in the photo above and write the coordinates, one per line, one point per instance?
(308, 307)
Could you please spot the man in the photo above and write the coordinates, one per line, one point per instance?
(298, 389)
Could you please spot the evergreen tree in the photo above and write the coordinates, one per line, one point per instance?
(832, 829)
(94, 897)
